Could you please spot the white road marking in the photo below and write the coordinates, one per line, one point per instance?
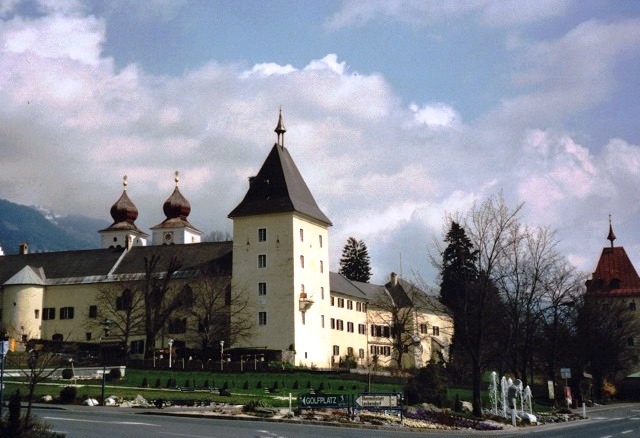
(184, 434)
(607, 436)
(128, 423)
(626, 431)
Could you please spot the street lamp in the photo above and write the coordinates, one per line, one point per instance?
(221, 355)
(106, 324)
(170, 345)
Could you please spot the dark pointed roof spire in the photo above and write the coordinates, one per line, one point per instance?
(123, 212)
(611, 237)
(280, 130)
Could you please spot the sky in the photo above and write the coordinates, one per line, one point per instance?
(397, 113)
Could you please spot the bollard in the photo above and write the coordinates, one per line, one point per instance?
(584, 410)
(289, 403)
(513, 413)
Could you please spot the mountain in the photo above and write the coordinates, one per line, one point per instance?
(44, 231)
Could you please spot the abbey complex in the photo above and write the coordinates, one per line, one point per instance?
(272, 288)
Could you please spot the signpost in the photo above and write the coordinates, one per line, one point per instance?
(565, 373)
(320, 401)
(4, 347)
(379, 401)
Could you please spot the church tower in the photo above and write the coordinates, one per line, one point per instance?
(281, 260)
(123, 232)
(176, 228)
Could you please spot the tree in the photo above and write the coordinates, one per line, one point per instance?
(354, 263)
(481, 312)
(605, 331)
(217, 236)
(400, 306)
(123, 304)
(218, 311)
(161, 299)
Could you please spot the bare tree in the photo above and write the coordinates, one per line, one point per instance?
(487, 225)
(402, 307)
(217, 236)
(123, 304)
(213, 307)
(161, 299)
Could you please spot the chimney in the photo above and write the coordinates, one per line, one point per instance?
(251, 180)
(24, 248)
(394, 279)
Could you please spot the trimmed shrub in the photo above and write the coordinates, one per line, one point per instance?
(68, 394)
(67, 373)
(246, 385)
(430, 385)
(115, 374)
(296, 385)
(259, 384)
(145, 383)
(158, 384)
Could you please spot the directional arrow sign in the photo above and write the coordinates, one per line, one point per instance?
(378, 401)
(317, 401)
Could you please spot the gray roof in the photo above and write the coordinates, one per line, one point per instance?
(72, 267)
(279, 188)
(341, 284)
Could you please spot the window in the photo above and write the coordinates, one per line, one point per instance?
(302, 261)
(436, 330)
(137, 347)
(177, 326)
(423, 329)
(87, 336)
(124, 301)
(57, 337)
(322, 293)
(386, 331)
(362, 329)
(320, 240)
(321, 266)
(349, 304)
(302, 288)
(333, 323)
(262, 234)
(48, 313)
(340, 324)
(66, 313)
(93, 311)
(349, 351)
(358, 306)
(361, 353)
(262, 318)
(632, 306)
(262, 260)
(262, 288)
(333, 301)
(350, 327)
(340, 302)
(301, 235)
(336, 350)
(322, 321)
(37, 313)
(630, 341)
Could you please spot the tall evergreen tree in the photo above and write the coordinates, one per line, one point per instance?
(354, 263)
(458, 267)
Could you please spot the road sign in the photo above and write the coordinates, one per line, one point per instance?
(377, 401)
(319, 401)
(565, 373)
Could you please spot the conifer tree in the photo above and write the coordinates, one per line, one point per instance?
(354, 263)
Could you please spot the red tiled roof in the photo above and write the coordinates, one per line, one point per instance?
(614, 274)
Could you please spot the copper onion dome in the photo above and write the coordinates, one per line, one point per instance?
(124, 210)
(176, 206)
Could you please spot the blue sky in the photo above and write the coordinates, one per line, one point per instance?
(398, 112)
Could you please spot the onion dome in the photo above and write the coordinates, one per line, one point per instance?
(176, 206)
(124, 210)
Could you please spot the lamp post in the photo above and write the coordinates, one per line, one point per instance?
(221, 355)
(170, 345)
(106, 324)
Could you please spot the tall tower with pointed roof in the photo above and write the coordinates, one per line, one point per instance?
(281, 260)
(176, 229)
(123, 232)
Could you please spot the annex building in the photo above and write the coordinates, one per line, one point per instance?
(276, 265)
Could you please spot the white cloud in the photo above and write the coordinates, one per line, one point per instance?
(267, 69)
(437, 115)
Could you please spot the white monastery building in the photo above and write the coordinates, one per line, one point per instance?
(278, 263)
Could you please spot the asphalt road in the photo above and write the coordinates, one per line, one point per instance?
(618, 421)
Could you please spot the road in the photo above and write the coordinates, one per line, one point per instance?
(619, 421)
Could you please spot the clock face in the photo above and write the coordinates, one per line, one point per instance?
(168, 237)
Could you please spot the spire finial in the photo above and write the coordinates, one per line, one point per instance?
(177, 178)
(124, 182)
(280, 129)
(611, 237)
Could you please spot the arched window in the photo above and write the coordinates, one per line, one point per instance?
(124, 301)
(186, 294)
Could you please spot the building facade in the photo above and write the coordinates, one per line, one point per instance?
(279, 266)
